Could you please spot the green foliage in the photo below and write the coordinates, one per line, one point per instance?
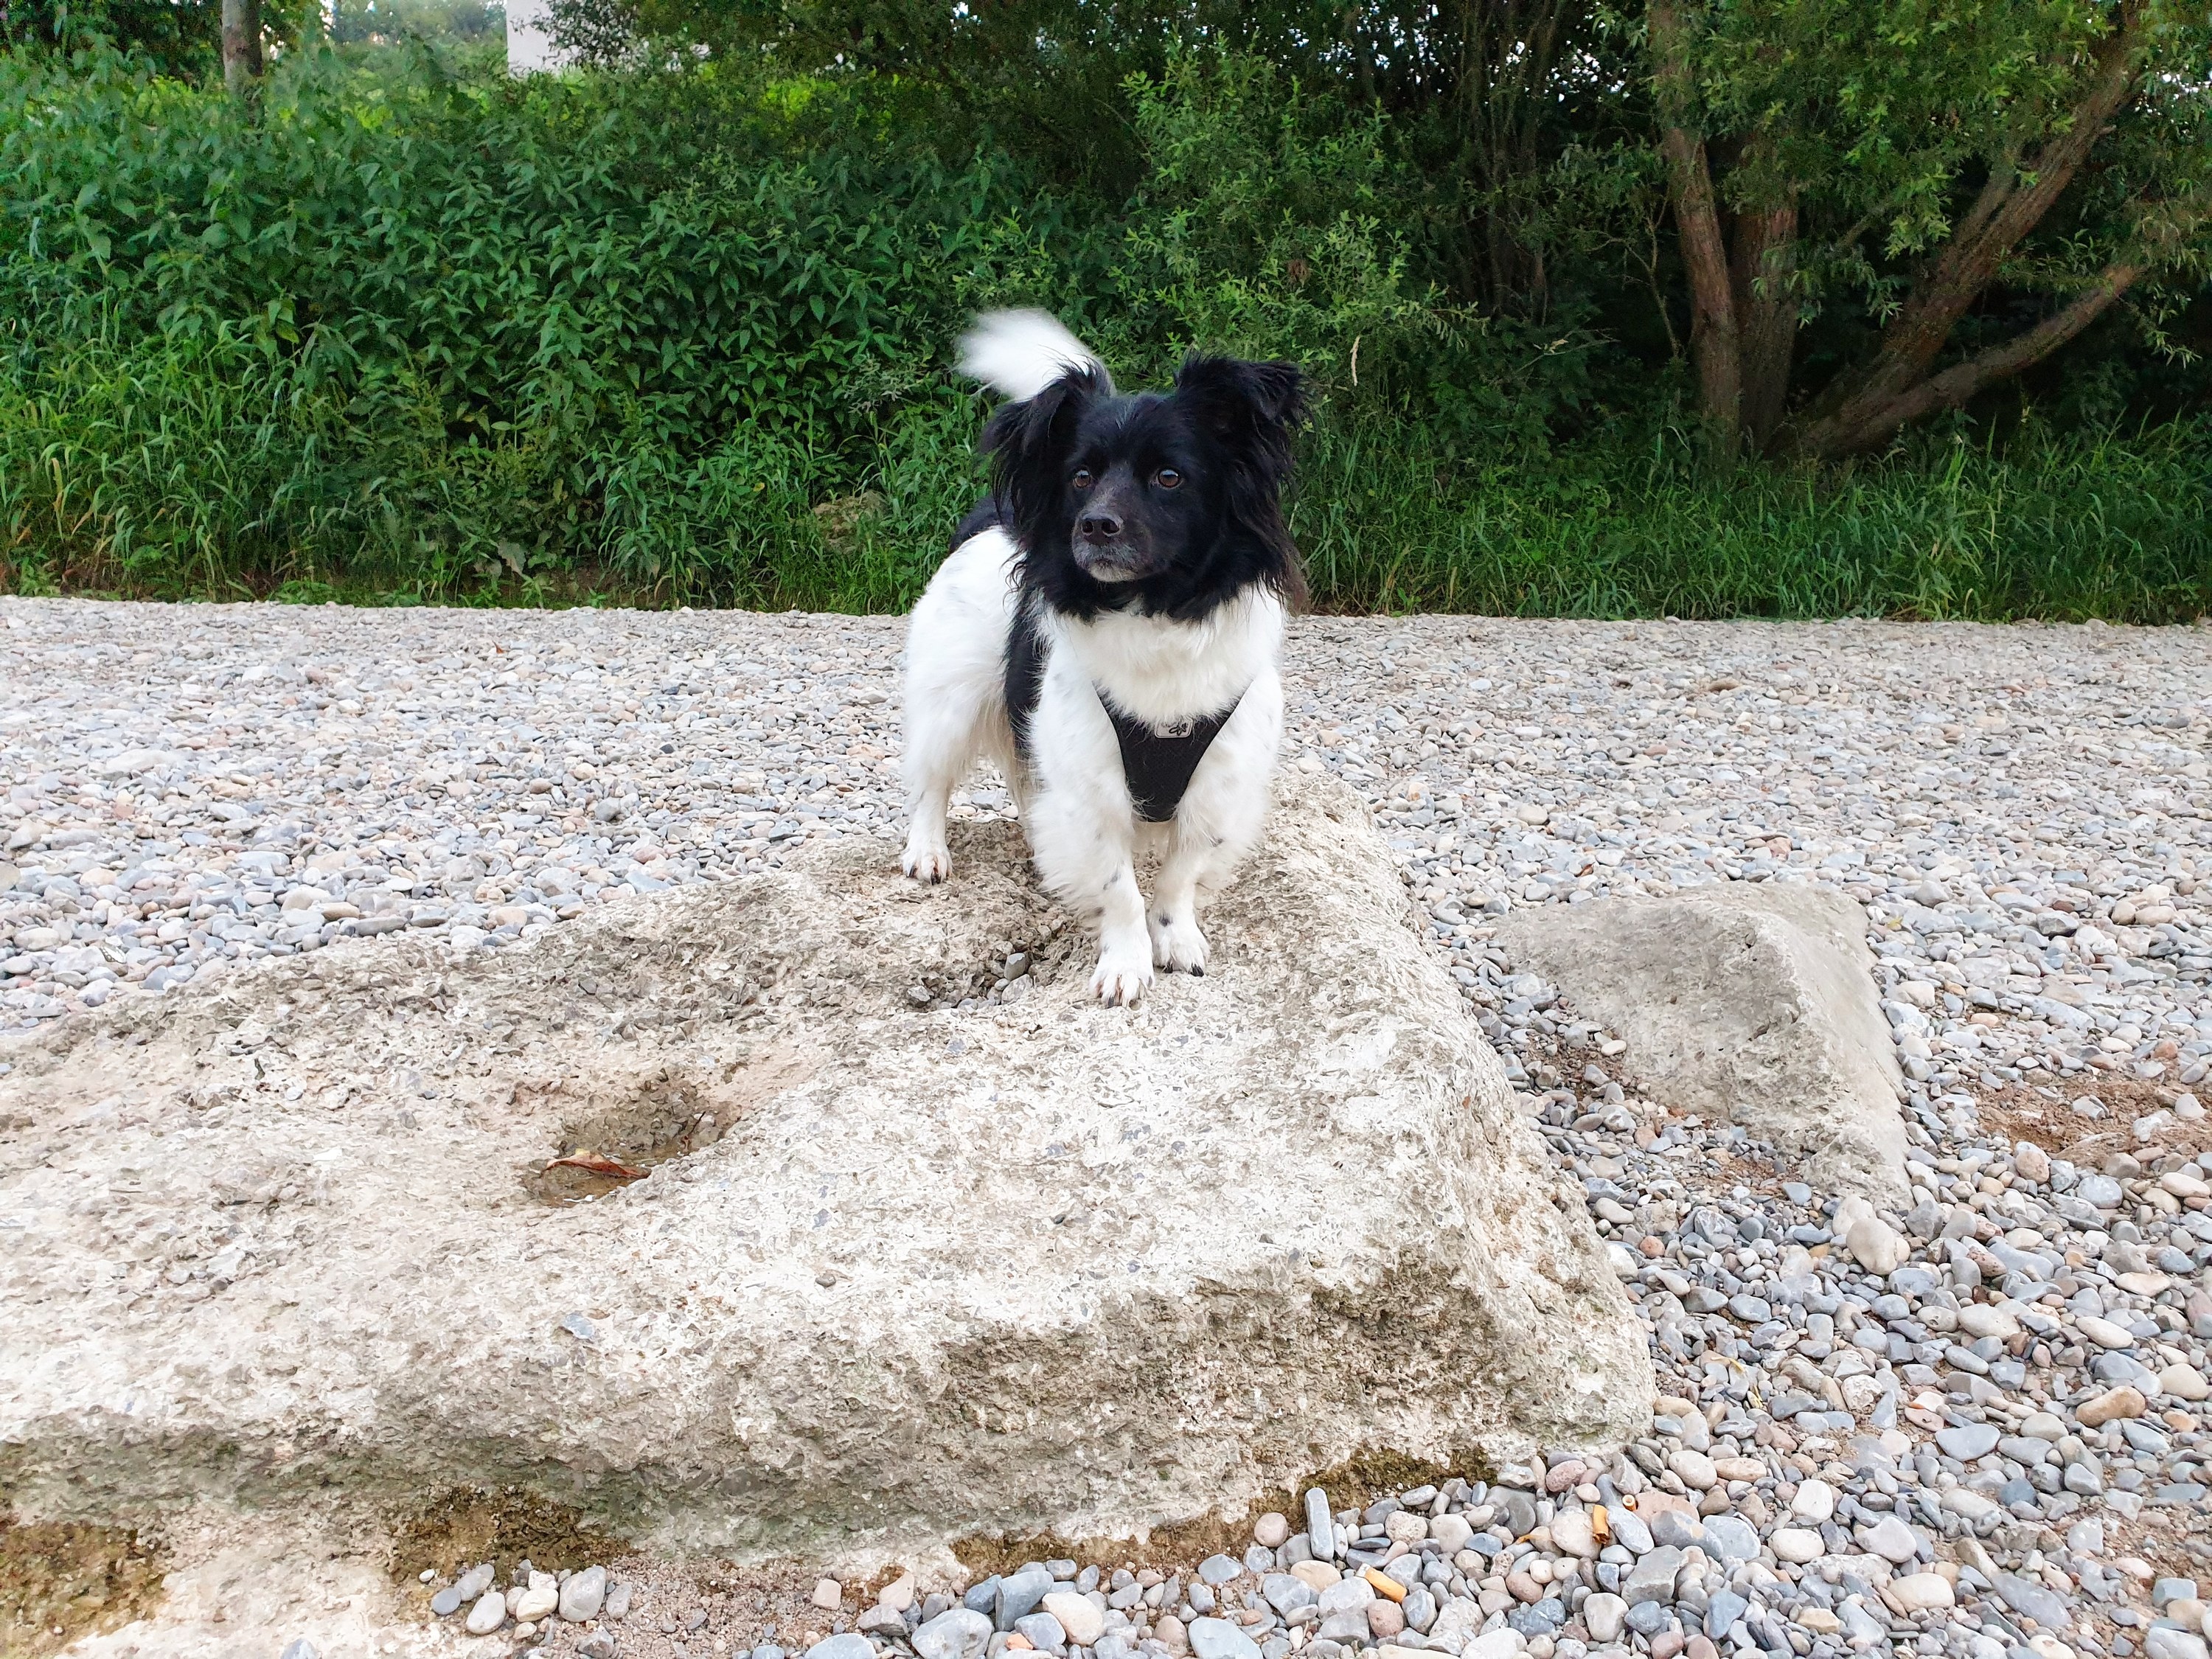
(2057, 526)
(407, 328)
(182, 37)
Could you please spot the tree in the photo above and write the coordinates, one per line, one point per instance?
(1942, 149)
(241, 44)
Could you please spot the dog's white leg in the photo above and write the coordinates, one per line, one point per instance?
(1219, 821)
(928, 858)
(1172, 921)
(1084, 838)
(1124, 972)
(1087, 858)
(955, 690)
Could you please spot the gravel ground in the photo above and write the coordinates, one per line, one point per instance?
(1978, 1435)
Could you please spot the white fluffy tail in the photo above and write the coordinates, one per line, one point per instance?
(1018, 354)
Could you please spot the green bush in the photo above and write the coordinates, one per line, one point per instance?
(408, 329)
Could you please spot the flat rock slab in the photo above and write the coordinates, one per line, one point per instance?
(1748, 1003)
(1044, 1265)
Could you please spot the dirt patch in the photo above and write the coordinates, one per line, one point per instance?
(609, 1143)
(62, 1580)
(2021, 1112)
(1358, 1480)
(461, 1527)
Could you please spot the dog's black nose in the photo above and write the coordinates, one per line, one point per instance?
(1099, 527)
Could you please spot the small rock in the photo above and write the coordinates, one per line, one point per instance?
(1969, 1441)
(956, 1633)
(599, 1644)
(1922, 1592)
(617, 1606)
(1450, 1533)
(474, 1583)
(1605, 1616)
(898, 1595)
(448, 1601)
(1695, 1469)
(2159, 1643)
(488, 1613)
(1630, 1530)
(1346, 1596)
(1652, 1578)
(828, 1594)
(2101, 1190)
(1876, 1246)
(1321, 1529)
(300, 1647)
(2104, 1332)
(1285, 1592)
(1219, 1568)
(2111, 1406)
(1217, 1638)
(2033, 1600)
(1019, 1596)
(1404, 1527)
(1043, 1632)
(2184, 1382)
(2030, 1162)
(1815, 1501)
(529, 1607)
(1270, 1530)
(1385, 1618)
(583, 1593)
(1891, 1539)
(1573, 1534)
(1732, 1539)
(1318, 1574)
(850, 1645)
(1078, 1615)
(1981, 1319)
(1797, 1545)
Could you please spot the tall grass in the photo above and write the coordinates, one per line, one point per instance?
(2116, 524)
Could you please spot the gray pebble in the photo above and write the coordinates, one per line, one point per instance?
(1217, 1638)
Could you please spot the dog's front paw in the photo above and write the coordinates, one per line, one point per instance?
(928, 861)
(1178, 945)
(1122, 975)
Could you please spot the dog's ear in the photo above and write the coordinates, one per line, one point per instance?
(1254, 407)
(1253, 411)
(1028, 441)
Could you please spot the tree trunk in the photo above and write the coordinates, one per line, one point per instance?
(241, 44)
(1865, 407)
(1764, 260)
(1715, 342)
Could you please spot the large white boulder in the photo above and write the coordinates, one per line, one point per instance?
(1040, 1264)
(1749, 1003)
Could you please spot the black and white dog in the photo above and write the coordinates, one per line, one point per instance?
(1106, 629)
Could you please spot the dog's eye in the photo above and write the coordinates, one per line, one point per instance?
(1082, 480)
(1168, 479)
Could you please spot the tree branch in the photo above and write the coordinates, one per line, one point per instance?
(1962, 382)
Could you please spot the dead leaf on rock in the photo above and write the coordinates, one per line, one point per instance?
(597, 1165)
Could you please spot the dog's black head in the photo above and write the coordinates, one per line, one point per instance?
(1169, 505)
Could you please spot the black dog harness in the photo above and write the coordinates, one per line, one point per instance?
(1158, 765)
